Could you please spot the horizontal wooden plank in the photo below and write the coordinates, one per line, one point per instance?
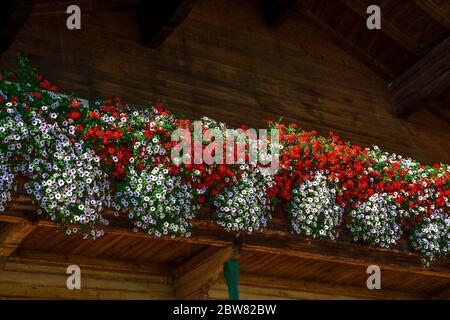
(275, 240)
(94, 263)
(27, 280)
(441, 13)
(328, 290)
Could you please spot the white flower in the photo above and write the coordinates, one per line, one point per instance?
(245, 202)
(313, 210)
(376, 221)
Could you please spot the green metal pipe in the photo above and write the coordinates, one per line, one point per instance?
(231, 272)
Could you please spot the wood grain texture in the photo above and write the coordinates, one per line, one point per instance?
(318, 290)
(224, 62)
(13, 14)
(11, 235)
(200, 273)
(427, 80)
(27, 280)
(275, 239)
(239, 71)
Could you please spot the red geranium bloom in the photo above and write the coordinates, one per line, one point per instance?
(74, 115)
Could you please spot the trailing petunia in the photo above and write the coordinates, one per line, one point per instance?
(431, 237)
(65, 179)
(79, 157)
(376, 221)
(313, 210)
(245, 206)
(156, 201)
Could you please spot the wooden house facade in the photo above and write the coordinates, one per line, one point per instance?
(239, 61)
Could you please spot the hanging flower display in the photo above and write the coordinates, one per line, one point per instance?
(78, 158)
(12, 134)
(313, 210)
(376, 221)
(431, 237)
(6, 182)
(65, 179)
(157, 202)
(244, 206)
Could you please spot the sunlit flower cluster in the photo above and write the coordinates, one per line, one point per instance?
(245, 206)
(376, 221)
(313, 210)
(431, 237)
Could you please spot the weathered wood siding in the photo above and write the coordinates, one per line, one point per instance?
(33, 281)
(223, 62)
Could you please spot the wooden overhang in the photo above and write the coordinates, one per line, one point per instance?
(413, 59)
(405, 52)
(274, 262)
(13, 14)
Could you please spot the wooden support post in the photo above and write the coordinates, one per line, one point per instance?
(11, 235)
(193, 279)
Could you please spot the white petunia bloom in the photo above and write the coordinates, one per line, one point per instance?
(161, 203)
(431, 236)
(376, 221)
(66, 181)
(245, 205)
(313, 210)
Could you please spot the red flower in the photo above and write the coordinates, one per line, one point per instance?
(94, 115)
(74, 115)
(75, 104)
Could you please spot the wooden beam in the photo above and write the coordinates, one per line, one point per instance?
(37, 257)
(349, 253)
(28, 280)
(11, 235)
(158, 19)
(427, 80)
(13, 14)
(52, 8)
(436, 108)
(360, 7)
(193, 279)
(272, 240)
(347, 45)
(277, 11)
(442, 295)
(438, 13)
(320, 290)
